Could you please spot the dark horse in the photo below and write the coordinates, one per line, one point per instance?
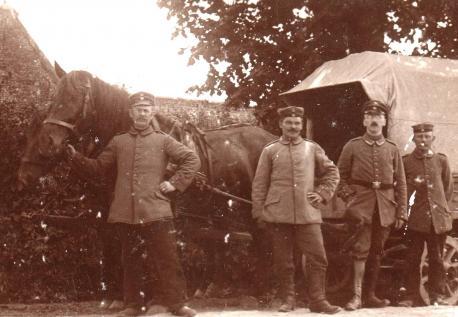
(86, 109)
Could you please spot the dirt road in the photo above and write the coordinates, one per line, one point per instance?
(90, 309)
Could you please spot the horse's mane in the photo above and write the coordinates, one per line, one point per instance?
(165, 122)
(111, 106)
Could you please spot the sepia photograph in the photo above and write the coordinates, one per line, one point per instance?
(223, 158)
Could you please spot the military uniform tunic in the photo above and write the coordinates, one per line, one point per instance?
(286, 172)
(429, 177)
(365, 164)
(140, 159)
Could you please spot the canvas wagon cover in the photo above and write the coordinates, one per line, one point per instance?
(416, 89)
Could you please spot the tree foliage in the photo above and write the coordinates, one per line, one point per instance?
(257, 49)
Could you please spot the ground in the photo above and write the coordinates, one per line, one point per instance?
(212, 309)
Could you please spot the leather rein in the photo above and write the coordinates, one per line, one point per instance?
(87, 106)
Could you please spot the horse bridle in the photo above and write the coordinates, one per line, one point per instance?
(88, 103)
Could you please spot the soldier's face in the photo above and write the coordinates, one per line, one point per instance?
(423, 140)
(291, 127)
(141, 116)
(374, 123)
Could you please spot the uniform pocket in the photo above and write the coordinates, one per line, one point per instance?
(272, 198)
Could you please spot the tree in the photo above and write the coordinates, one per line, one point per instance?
(435, 20)
(257, 49)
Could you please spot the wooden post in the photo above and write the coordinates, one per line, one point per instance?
(308, 128)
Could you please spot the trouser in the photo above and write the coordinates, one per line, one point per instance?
(151, 247)
(368, 247)
(370, 239)
(309, 241)
(436, 272)
(111, 266)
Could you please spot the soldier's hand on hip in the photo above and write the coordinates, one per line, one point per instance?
(166, 187)
(315, 199)
(399, 223)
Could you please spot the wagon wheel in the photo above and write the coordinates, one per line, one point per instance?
(451, 272)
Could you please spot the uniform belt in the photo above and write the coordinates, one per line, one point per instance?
(373, 185)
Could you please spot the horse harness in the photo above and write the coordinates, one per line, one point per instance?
(88, 106)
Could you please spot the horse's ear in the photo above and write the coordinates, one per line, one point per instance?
(59, 70)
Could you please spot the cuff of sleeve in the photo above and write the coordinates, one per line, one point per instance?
(255, 213)
(178, 185)
(326, 195)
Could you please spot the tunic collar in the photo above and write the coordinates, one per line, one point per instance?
(284, 140)
(144, 132)
(421, 155)
(370, 140)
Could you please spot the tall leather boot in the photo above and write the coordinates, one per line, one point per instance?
(373, 269)
(287, 292)
(317, 293)
(358, 276)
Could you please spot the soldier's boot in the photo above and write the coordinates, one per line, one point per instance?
(358, 273)
(317, 294)
(373, 269)
(287, 294)
(287, 291)
(287, 305)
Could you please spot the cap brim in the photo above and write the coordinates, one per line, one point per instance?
(374, 112)
(142, 103)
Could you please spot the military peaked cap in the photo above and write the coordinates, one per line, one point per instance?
(290, 112)
(375, 107)
(423, 127)
(141, 99)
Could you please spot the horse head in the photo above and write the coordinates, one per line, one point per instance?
(32, 164)
(72, 113)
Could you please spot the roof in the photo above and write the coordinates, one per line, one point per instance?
(416, 89)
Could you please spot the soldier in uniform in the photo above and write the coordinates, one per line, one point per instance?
(294, 176)
(373, 186)
(140, 210)
(429, 179)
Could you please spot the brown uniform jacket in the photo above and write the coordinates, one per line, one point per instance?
(140, 159)
(365, 160)
(286, 172)
(429, 177)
